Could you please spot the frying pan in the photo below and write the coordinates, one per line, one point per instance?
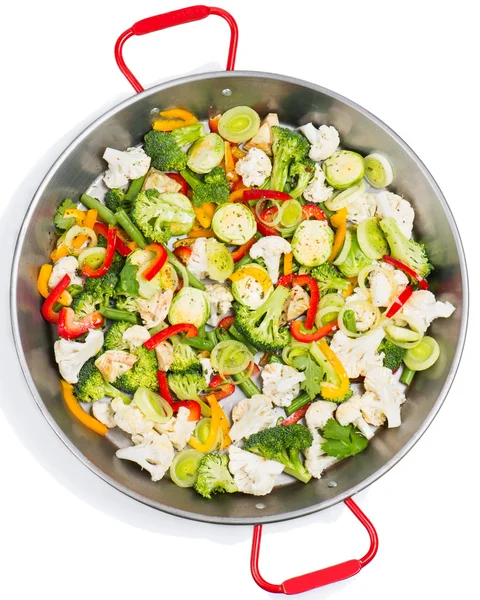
(296, 102)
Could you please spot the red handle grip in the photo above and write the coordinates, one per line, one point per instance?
(172, 19)
(316, 579)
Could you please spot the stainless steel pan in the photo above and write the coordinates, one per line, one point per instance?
(296, 102)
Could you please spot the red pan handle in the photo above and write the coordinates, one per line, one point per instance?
(172, 19)
(316, 579)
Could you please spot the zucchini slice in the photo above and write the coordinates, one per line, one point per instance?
(189, 306)
(234, 223)
(312, 243)
(343, 169)
(378, 171)
(248, 291)
(206, 153)
(219, 261)
(238, 124)
(371, 239)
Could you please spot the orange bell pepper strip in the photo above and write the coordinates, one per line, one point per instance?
(205, 213)
(179, 113)
(59, 253)
(288, 263)
(197, 233)
(89, 221)
(237, 194)
(338, 220)
(78, 412)
(171, 124)
(232, 175)
(213, 124)
(215, 424)
(329, 390)
(42, 285)
(258, 274)
(237, 153)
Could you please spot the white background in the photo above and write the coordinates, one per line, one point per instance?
(67, 534)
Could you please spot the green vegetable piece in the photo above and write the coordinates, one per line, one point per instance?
(61, 222)
(349, 321)
(213, 476)
(239, 124)
(302, 171)
(114, 199)
(298, 355)
(142, 374)
(422, 356)
(185, 358)
(407, 376)
(355, 260)
(288, 147)
(91, 386)
(343, 169)
(128, 283)
(118, 315)
(393, 354)
(378, 171)
(184, 468)
(187, 386)
(206, 153)
(342, 441)
(329, 279)
(189, 306)
(219, 261)
(312, 243)
(407, 251)
(153, 406)
(213, 188)
(371, 239)
(104, 213)
(164, 151)
(234, 223)
(189, 134)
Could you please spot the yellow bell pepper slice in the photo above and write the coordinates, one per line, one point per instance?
(215, 424)
(232, 175)
(196, 233)
(237, 153)
(179, 113)
(258, 274)
(338, 220)
(237, 194)
(288, 263)
(329, 390)
(89, 221)
(204, 213)
(76, 410)
(59, 253)
(42, 285)
(79, 215)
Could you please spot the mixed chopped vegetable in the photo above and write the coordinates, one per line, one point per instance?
(241, 302)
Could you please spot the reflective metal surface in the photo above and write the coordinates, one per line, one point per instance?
(297, 102)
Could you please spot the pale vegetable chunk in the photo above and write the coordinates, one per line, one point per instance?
(254, 168)
(154, 453)
(124, 166)
(71, 356)
(253, 474)
(312, 243)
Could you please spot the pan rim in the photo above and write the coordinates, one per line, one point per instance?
(280, 516)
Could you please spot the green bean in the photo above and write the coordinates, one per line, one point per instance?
(201, 332)
(238, 335)
(407, 376)
(118, 315)
(103, 212)
(328, 213)
(134, 189)
(132, 230)
(302, 399)
(192, 280)
(199, 343)
(211, 335)
(349, 321)
(245, 260)
(74, 289)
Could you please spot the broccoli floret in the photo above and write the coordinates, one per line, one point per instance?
(164, 151)
(114, 336)
(407, 251)
(185, 359)
(329, 278)
(303, 171)
(186, 386)
(288, 146)
(214, 476)
(101, 288)
(142, 374)
(114, 199)
(393, 354)
(213, 188)
(91, 386)
(284, 445)
(60, 221)
(188, 135)
(261, 327)
(126, 302)
(85, 304)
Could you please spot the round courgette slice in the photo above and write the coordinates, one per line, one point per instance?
(234, 223)
(312, 243)
(371, 239)
(343, 169)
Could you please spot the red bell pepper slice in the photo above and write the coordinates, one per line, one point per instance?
(255, 370)
(300, 336)
(265, 230)
(193, 407)
(69, 327)
(309, 282)
(269, 213)
(241, 251)
(296, 416)
(157, 263)
(161, 336)
(270, 194)
(111, 241)
(213, 124)
(183, 253)
(310, 211)
(225, 390)
(422, 283)
(179, 179)
(163, 387)
(399, 302)
(226, 322)
(47, 308)
(120, 246)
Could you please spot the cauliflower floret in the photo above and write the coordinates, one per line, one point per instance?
(123, 166)
(104, 413)
(254, 168)
(251, 415)
(351, 412)
(361, 208)
(156, 180)
(165, 355)
(130, 418)
(319, 413)
(197, 261)
(71, 356)
(381, 288)
(297, 303)
(253, 474)
(316, 460)
(325, 140)
(359, 354)
(263, 138)
(135, 336)
(365, 314)
(423, 309)
(154, 453)
(207, 369)
(154, 310)
(392, 205)
(220, 300)
(317, 190)
(114, 363)
(271, 248)
(380, 381)
(281, 383)
(178, 429)
(67, 265)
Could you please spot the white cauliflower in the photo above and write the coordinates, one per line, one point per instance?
(351, 412)
(281, 383)
(423, 309)
(392, 205)
(263, 138)
(165, 355)
(104, 413)
(154, 453)
(362, 207)
(365, 314)
(71, 356)
(197, 261)
(220, 300)
(317, 190)
(178, 429)
(154, 310)
(296, 304)
(325, 140)
(67, 265)
(135, 336)
(114, 363)
(207, 369)
(254, 168)
(130, 418)
(253, 474)
(251, 415)
(381, 288)
(380, 381)
(124, 166)
(271, 248)
(156, 180)
(316, 460)
(359, 354)
(319, 413)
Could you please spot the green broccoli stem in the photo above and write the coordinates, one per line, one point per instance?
(237, 335)
(297, 469)
(192, 280)
(407, 376)
(134, 188)
(328, 213)
(212, 337)
(132, 230)
(297, 403)
(199, 343)
(103, 212)
(247, 386)
(118, 315)
(192, 180)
